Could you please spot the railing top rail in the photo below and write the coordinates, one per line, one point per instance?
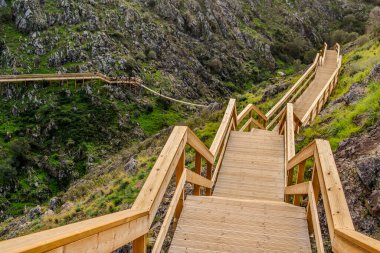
(53, 238)
(283, 100)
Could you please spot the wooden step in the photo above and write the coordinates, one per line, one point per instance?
(216, 224)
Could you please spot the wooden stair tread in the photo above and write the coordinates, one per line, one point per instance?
(217, 224)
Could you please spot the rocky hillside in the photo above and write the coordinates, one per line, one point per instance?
(197, 48)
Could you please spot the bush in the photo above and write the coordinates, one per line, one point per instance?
(342, 37)
(374, 21)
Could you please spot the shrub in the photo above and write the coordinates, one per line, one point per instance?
(374, 21)
(342, 37)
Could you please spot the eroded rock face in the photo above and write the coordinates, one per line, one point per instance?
(358, 162)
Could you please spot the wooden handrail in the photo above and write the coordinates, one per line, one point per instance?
(325, 182)
(293, 89)
(89, 231)
(69, 76)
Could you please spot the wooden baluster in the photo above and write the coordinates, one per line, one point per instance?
(250, 124)
(139, 244)
(300, 179)
(178, 173)
(209, 176)
(198, 167)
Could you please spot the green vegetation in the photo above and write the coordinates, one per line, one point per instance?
(342, 121)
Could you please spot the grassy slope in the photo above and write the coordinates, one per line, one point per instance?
(338, 123)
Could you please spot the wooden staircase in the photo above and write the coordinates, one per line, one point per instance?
(220, 224)
(253, 180)
(253, 166)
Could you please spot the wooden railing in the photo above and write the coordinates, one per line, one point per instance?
(325, 183)
(276, 112)
(322, 97)
(133, 81)
(260, 121)
(112, 231)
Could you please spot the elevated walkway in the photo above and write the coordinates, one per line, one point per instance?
(253, 182)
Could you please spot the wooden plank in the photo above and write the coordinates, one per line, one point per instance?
(300, 179)
(180, 170)
(54, 238)
(229, 115)
(315, 219)
(197, 179)
(355, 239)
(335, 196)
(300, 189)
(197, 170)
(139, 245)
(290, 146)
(158, 180)
(244, 113)
(169, 215)
(303, 155)
(246, 125)
(199, 146)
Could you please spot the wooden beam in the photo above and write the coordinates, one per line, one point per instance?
(355, 240)
(97, 231)
(244, 113)
(258, 124)
(300, 179)
(198, 168)
(290, 132)
(199, 146)
(303, 155)
(169, 215)
(158, 180)
(315, 219)
(180, 170)
(229, 115)
(246, 125)
(139, 244)
(197, 179)
(335, 196)
(298, 189)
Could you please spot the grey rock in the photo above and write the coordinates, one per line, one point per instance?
(34, 212)
(54, 203)
(374, 203)
(3, 3)
(214, 106)
(374, 75)
(131, 166)
(368, 170)
(354, 94)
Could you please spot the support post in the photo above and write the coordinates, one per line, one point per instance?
(178, 173)
(209, 176)
(139, 244)
(198, 166)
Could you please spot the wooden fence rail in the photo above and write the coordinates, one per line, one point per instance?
(325, 183)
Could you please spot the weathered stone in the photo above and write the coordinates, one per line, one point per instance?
(214, 106)
(34, 212)
(54, 203)
(368, 170)
(131, 166)
(374, 203)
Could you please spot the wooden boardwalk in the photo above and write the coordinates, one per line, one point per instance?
(323, 74)
(254, 185)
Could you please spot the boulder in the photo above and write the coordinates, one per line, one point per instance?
(368, 170)
(34, 212)
(354, 94)
(373, 203)
(130, 166)
(54, 203)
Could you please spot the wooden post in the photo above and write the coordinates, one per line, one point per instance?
(178, 173)
(250, 124)
(198, 167)
(300, 179)
(139, 244)
(209, 176)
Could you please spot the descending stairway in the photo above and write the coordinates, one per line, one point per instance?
(246, 212)
(254, 182)
(253, 166)
(323, 74)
